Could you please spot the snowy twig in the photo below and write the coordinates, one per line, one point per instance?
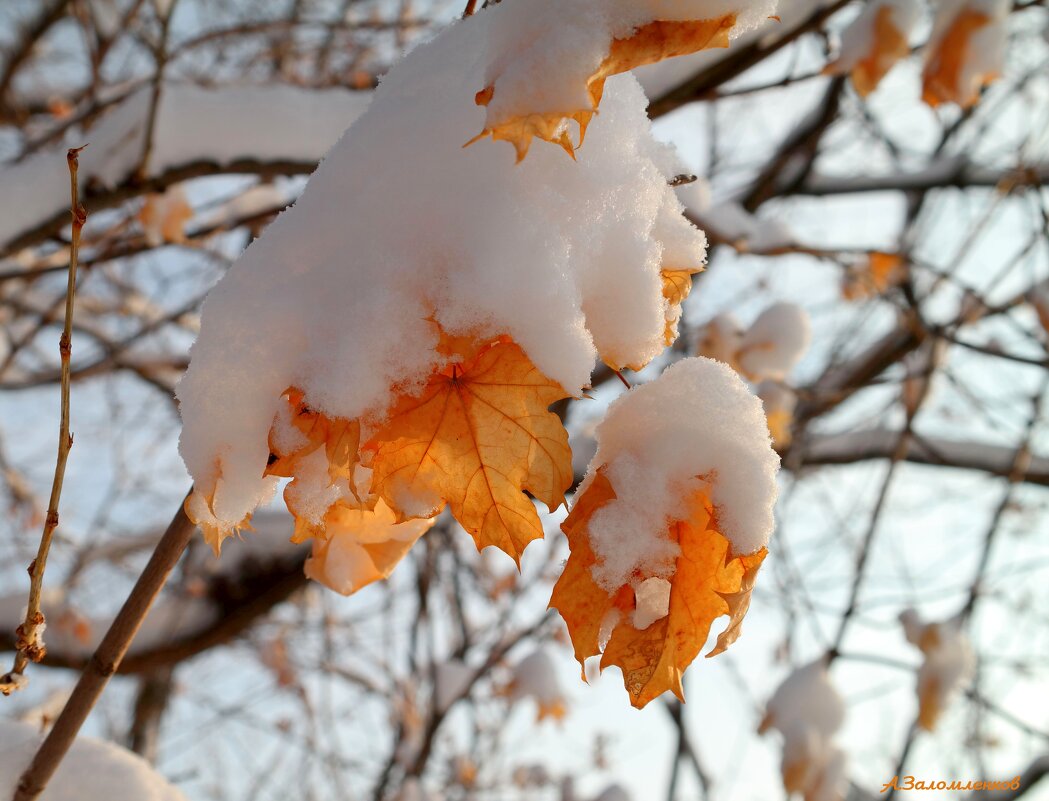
(30, 647)
(107, 658)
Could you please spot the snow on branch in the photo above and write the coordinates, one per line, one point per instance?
(857, 446)
(197, 132)
(943, 174)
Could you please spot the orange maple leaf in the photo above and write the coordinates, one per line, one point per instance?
(340, 439)
(356, 547)
(199, 507)
(477, 437)
(888, 45)
(651, 43)
(164, 217)
(942, 78)
(708, 582)
(677, 284)
(881, 271)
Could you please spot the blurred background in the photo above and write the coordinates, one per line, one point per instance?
(913, 236)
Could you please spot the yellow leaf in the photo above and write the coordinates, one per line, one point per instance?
(780, 422)
(356, 547)
(708, 582)
(945, 67)
(649, 44)
(677, 284)
(340, 438)
(199, 507)
(888, 45)
(164, 217)
(477, 437)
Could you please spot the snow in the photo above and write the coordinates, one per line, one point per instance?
(653, 602)
(452, 681)
(613, 792)
(775, 342)
(807, 697)
(697, 420)
(401, 226)
(766, 351)
(93, 770)
(193, 124)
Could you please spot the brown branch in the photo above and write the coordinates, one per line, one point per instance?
(240, 600)
(860, 446)
(154, 692)
(30, 647)
(50, 13)
(107, 658)
(704, 84)
(97, 198)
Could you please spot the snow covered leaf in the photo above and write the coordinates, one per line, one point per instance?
(669, 526)
(677, 284)
(720, 339)
(874, 42)
(807, 710)
(775, 342)
(565, 263)
(477, 437)
(356, 547)
(780, 402)
(535, 677)
(164, 217)
(882, 270)
(648, 44)
(948, 660)
(300, 431)
(200, 509)
(966, 51)
(707, 582)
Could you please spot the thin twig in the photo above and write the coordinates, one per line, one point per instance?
(30, 645)
(107, 657)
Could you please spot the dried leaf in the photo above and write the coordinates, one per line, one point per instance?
(356, 547)
(945, 67)
(649, 44)
(677, 284)
(340, 438)
(200, 509)
(888, 45)
(477, 437)
(882, 271)
(164, 217)
(708, 582)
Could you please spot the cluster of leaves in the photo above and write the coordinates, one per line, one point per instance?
(479, 435)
